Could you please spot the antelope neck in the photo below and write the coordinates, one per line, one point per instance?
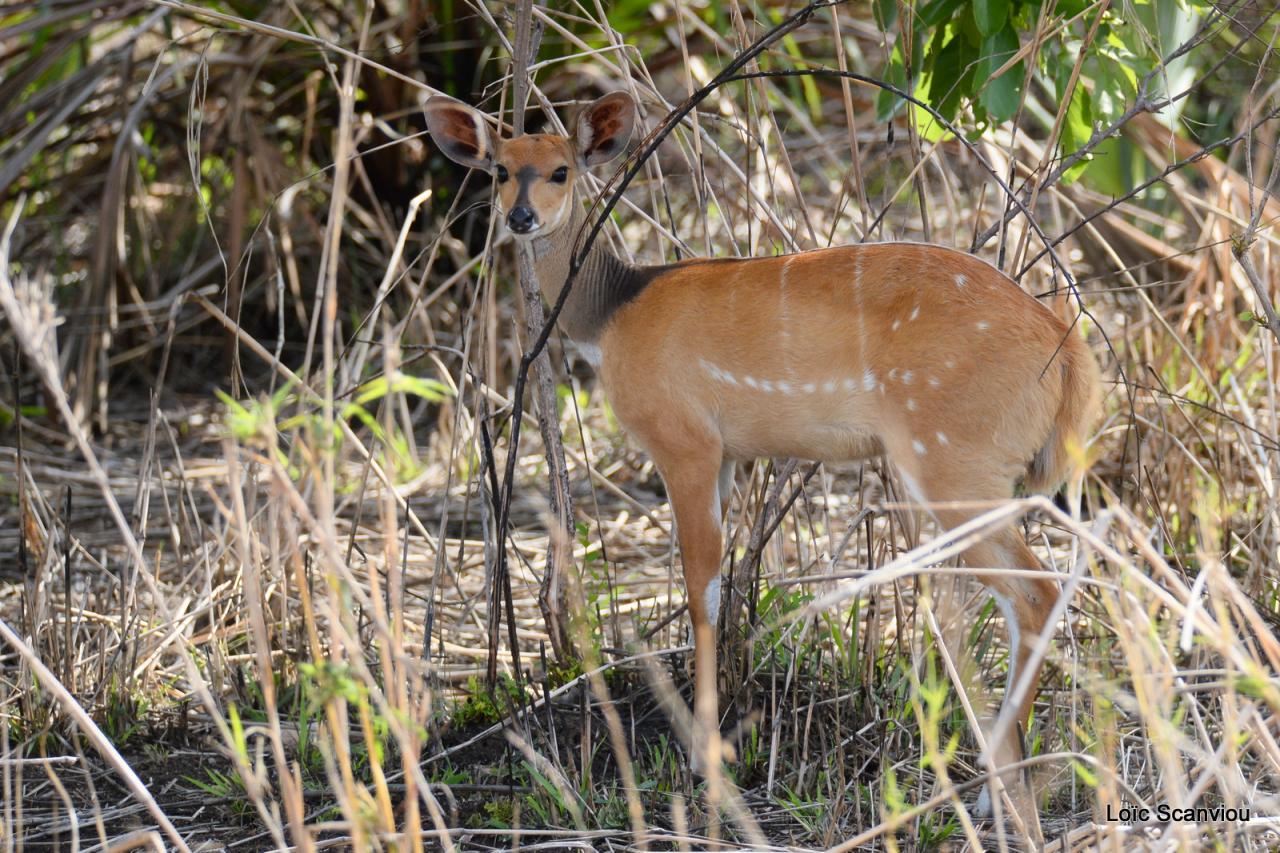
(604, 283)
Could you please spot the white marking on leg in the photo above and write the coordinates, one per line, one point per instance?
(942, 438)
(1010, 614)
(711, 597)
(918, 445)
(983, 807)
(591, 353)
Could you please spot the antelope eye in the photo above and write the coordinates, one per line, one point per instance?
(560, 175)
(502, 174)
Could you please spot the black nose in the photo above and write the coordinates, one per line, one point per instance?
(521, 219)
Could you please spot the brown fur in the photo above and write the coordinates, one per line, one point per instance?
(927, 355)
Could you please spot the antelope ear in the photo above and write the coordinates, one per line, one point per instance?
(604, 128)
(460, 132)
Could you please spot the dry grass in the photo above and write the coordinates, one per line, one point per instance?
(265, 624)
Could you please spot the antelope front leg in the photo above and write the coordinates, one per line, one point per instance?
(691, 479)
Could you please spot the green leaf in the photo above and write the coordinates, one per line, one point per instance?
(886, 13)
(952, 76)
(1001, 95)
(936, 11)
(1077, 127)
(887, 103)
(990, 15)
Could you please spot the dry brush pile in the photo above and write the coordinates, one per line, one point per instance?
(260, 342)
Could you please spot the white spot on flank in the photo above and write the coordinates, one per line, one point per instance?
(829, 386)
(731, 379)
(951, 362)
(766, 386)
(918, 446)
(784, 386)
(893, 373)
(751, 382)
(942, 438)
(906, 377)
(810, 387)
(934, 381)
(896, 324)
(850, 385)
(911, 405)
(983, 324)
(960, 280)
(915, 312)
(868, 380)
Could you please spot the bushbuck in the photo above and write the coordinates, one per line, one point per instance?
(926, 355)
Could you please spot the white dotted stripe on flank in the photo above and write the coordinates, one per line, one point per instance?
(787, 387)
(942, 438)
(918, 446)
